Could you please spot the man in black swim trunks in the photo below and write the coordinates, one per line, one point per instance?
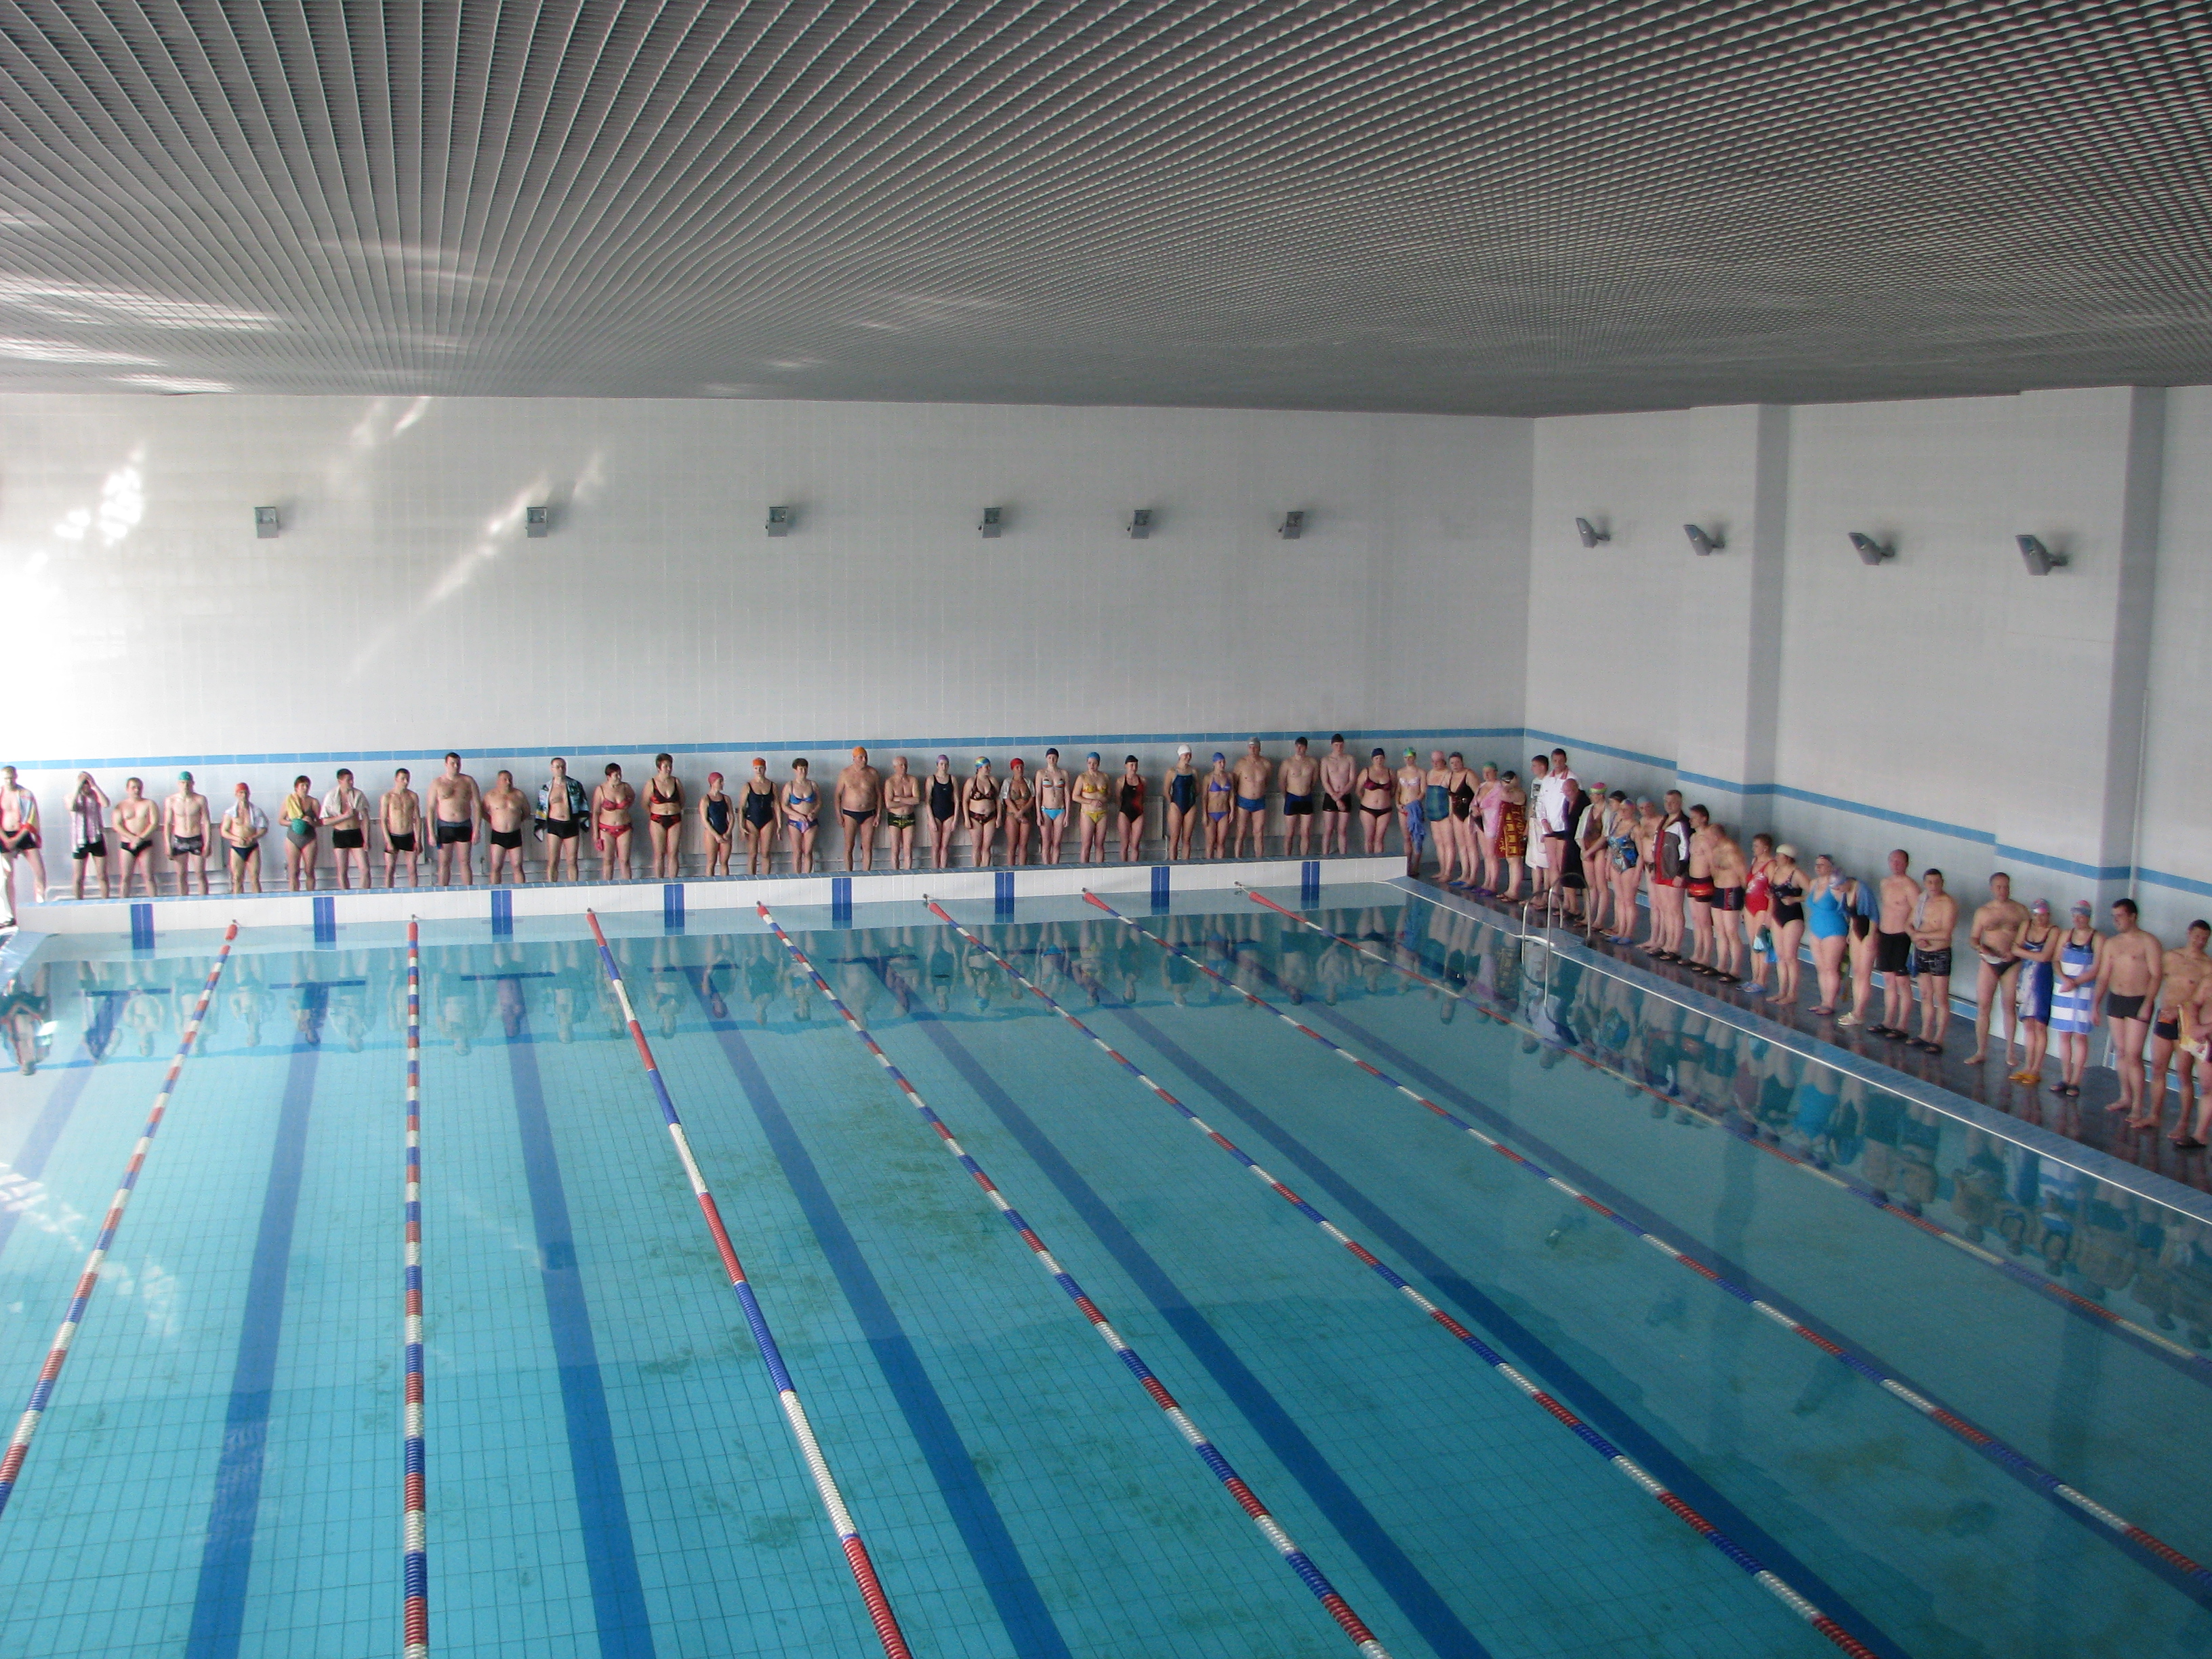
(345, 813)
(400, 813)
(1935, 920)
(1298, 774)
(504, 809)
(1893, 947)
(455, 803)
(1339, 774)
(859, 797)
(186, 821)
(563, 805)
(2129, 970)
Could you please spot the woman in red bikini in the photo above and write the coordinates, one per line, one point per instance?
(664, 817)
(610, 826)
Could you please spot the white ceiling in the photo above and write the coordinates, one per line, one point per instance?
(1516, 208)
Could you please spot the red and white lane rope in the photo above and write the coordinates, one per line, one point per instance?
(42, 1393)
(2194, 1364)
(415, 1559)
(1779, 1588)
(1299, 1562)
(1979, 1438)
(786, 1394)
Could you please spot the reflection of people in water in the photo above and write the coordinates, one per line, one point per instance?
(456, 1010)
(307, 1017)
(245, 999)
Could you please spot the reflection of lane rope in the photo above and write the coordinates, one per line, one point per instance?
(11, 1465)
(1298, 1561)
(2196, 1365)
(1767, 1580)
(786, 1394)
(2014, 1462)
(415, 1560)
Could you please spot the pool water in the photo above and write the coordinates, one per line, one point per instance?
(609, 1472)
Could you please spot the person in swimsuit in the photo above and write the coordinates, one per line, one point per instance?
(2183, 972)
(718, 824)
(1299, 772)
(1252, 774)
(2036, 949)
(399, 812)
(1935, 920)
(1436, 816)
(243, 827)
(89, 811)
(664, 819)
(1055, 797)
(1412, 810)
(1131, 800)
(859, 799)
(1824, 909)
(1996, 925)
(1460, 791)
(2076, 964)
(505, 807)
(1219, 790)
(1376, 786)
(564, 810)
(611, 823)
(944, 808)
(456, 805)
(1785, 892)
(2129, 974)
(300, 818)
(345, 815)
(1019, 811)
(1179, 789)
(1340, 775)
(1755, 903)
(756, 812)
(979, 805)
(19, 835)
(135, 818)
(901, 809)
(1093, 793)
(1897, 894)
(802, 812)
(1624, 857)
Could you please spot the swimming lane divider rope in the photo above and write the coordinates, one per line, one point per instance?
(2014, 1462)
(1780, 1588)
(415, 1559)
(786, 1394)
(42, 1393)
(1280, 1540)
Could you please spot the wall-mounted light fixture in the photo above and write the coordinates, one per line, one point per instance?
(1702, 543)
(1292, 527)
(780, 520)
(537, 521)
(1870, 551)
(267, 522)
(993, 521)
(2039, 560)
(1590, 534)
(1140, 524)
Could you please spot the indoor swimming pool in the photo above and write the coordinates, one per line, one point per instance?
(1732, 1354)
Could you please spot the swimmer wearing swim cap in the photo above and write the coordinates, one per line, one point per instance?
(1093, 791)
(980, 806)
(1051, 807)
(859, 801)
(1179, 797)
(1018, 810)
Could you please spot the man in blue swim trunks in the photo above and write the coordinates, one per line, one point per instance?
(1252, 774)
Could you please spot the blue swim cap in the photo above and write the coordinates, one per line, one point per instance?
(1219, 756)
(1093, 755)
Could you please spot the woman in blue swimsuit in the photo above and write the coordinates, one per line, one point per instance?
(1220, 790)
(2035, 947)
(802, 807)
(1825, 922)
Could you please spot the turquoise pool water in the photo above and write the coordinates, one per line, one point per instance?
(609, 1473)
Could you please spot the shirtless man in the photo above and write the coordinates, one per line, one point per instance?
(1697, 890)
(1730, 873)
(564, 810)
(345, 815)
(19, 832)
(1413, 787)
(1053, 797)
(2129, 972)
(400, 813)
(505, 807)
(2197, 1052)
(1252, 774)
(185, 826)
(1338, 770)
(135, 818)
(2183, 973)
(1996, 926)
(1893, 947)
(901, 810)
(1093, 794)
(1934, 919)
(859, 799)
(1299, 772)
(1669, 858)
(455, 803)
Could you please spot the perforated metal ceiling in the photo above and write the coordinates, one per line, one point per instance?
(1519, 207)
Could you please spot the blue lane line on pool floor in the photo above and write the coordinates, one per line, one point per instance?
(610, 1551)
(227, 1556)
(1005, 1577)
(1569, 1384)
(1424, 1607)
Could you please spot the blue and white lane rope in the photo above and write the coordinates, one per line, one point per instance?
(1299, 1562)
(2192, 1363)
(786, 1394)
(415, 1559)
(1767, 1580)
(42, 1392)
(1979, 1438)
